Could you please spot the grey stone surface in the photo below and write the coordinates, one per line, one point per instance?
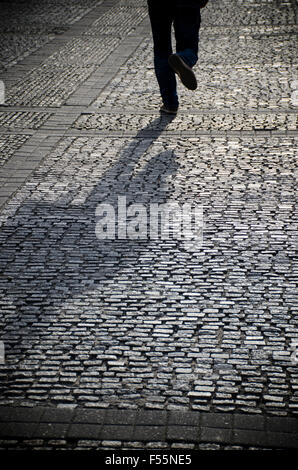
(26, 26)
(193, 122)
(207, 330)
(9, 144)
(145, 325)
(223, 84)
(64, 428)
(59, 75)
(23, 119)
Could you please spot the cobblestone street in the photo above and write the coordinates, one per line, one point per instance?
(132, 338)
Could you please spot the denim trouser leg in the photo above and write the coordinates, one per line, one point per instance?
(186, 25)
(161, 23)
(167, 81)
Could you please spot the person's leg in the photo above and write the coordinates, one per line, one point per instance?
(161, 18)
(187, 22)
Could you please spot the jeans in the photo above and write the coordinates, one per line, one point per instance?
(186, 21)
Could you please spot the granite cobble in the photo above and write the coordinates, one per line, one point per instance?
(211, 122)
(14, 120)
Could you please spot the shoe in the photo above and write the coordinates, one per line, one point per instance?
(164, 109)
(183, 71)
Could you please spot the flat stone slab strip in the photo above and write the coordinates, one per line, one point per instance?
(148, 426)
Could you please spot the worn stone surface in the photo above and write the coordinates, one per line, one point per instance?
(225, 82)
(148, 324)
(78, 428)
(189, 122)
(9, 144)
(26, 26)
(51, 83)
(154, 324)
(23, 119)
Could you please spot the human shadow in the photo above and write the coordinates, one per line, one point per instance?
(51, 254)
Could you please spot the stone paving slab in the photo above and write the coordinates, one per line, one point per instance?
(142, 427)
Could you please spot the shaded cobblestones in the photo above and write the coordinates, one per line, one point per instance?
(23, 119)
(217, 325)
(65, 70)
(43, 21)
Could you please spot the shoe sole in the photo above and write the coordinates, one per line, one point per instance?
(168, 111)
(184, 72)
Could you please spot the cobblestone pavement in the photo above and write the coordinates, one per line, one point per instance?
(27, 25)
(147, 324)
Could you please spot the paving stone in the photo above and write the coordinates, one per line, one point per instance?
(89, 416)
(249, 422)
(151, 417)
(192, 122)
(83, 431)
(9, 144)
(185, 418)
(120, 417)
(216, 435)
(57, 416)
(258, 438)
(21, 414)
(25, 430)
(183, 433)
(118, 432)
(287, 425)
(51, 430)
(217, 421)
(282, 440)
(149, 433)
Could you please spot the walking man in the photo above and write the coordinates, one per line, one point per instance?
(186, 18)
